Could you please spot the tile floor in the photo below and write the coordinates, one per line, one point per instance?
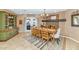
(17, 43)
(20, 42)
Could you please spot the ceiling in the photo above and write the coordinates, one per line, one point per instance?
(35, 11)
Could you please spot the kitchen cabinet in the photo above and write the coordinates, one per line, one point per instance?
(8, 27)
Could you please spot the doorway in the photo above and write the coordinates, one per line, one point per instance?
(29, 23)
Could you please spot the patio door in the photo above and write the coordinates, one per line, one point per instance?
(29, 23)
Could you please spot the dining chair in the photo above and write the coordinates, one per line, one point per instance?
(45, 35)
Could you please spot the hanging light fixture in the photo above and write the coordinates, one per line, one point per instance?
(44, 14)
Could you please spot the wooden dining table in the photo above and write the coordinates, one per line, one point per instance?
(50, 31)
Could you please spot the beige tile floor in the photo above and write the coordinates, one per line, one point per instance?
(20, 42)
(17, 43)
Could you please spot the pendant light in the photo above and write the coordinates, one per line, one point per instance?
(44, 15)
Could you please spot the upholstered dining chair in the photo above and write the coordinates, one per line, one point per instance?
(56, 36)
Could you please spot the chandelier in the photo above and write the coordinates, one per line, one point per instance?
(44, 14)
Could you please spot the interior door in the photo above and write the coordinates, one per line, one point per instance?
(27, 25)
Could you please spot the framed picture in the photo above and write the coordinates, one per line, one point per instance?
(75, 20)
(20, 22)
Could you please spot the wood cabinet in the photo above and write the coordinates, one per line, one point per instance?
(8, 26)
